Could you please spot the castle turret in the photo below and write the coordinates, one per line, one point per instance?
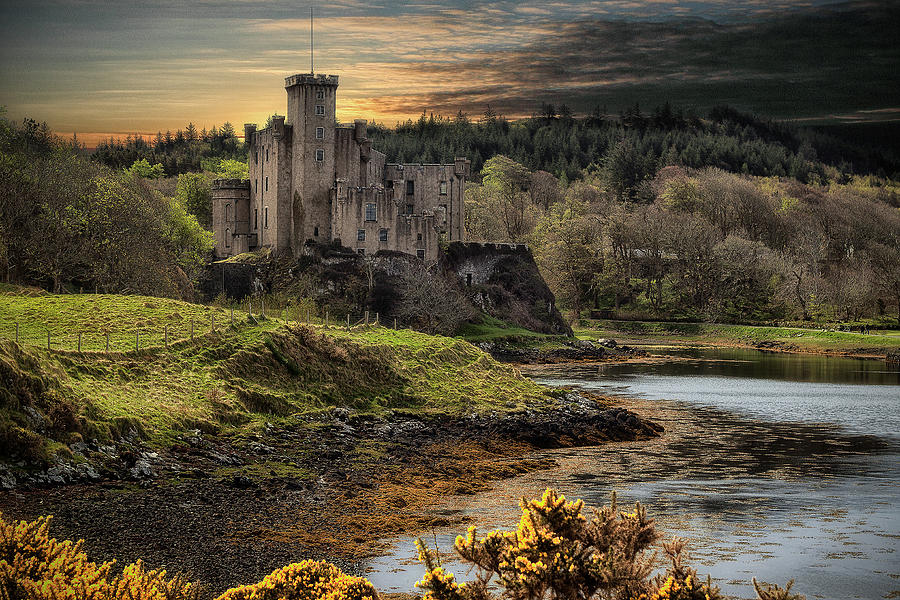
(311, 113)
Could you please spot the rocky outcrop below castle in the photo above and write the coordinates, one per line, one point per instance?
(503, 281)
(498, 280)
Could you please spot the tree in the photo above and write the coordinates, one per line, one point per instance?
(544, 190)
(428, 302)
(142, 168)
(507, 181)
(194, 191)
(565, 244)
(884, 261)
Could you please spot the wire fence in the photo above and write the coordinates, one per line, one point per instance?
(133, 338)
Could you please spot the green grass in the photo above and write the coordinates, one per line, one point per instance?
(489, 329)
(812, 340)
(231, 380)
(96, 315)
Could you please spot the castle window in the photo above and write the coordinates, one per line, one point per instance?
(468, 280)
(320, 110)
(410, 187)
(320, 133)
(266, 217)
(382, 235)
(267, 183)
(420, 254)
(418, 237)
(320, 95)
(255, 218)
(443, 188)
(361, 251)
(370, 211)
(256, 157)
(267, 155)
(360, 235)
(256, 186)
(389, 184)
(228, 238)
(409, 209)
(320, 155)
(316, 231)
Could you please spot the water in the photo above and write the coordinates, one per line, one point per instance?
(775, 466)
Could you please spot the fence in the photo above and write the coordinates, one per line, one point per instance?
(163, 335)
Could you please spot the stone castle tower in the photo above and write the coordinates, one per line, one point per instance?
(315, 181)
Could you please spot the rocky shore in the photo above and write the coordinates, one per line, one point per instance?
(229, 509)
(575, 350)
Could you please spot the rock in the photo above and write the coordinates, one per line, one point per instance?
(607, 343)
(340, 414)
(242, 482)
(141, 470)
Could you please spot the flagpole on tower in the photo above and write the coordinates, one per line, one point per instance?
(311, 69)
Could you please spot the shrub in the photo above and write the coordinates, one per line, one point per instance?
(37, 567)
(555, 552)
(307, 580)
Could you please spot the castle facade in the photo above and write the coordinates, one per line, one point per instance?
(313, 180)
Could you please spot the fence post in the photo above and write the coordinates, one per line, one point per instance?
(263, 307)
(395, 322)
(79, 341)
(167, 335)
(107, 341)
(376, 318)
(367, 318)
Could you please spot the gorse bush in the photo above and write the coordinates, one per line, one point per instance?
(556, 552)
(307, 580)
(34, 566)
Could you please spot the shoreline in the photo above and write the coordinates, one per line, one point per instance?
(233, 510)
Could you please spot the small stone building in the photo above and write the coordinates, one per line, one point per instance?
(314, 180)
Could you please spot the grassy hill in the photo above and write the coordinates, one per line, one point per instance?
(246, 373)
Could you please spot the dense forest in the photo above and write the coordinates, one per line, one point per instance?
(565, 146)
(663, 215)
(186, 150)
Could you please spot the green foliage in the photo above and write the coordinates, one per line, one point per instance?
(226, 168)
(142, 168)
(194, 191)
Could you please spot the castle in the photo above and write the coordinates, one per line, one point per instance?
(315, 181)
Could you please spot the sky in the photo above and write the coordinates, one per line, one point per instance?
(101, 68)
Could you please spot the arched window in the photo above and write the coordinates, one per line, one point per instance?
(228, 213)
(228, 238)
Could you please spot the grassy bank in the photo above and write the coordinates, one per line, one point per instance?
(791, 339)
(237, 378)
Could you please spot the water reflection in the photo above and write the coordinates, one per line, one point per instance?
(769, 469)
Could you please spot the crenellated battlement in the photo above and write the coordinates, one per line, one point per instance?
(310, 79)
